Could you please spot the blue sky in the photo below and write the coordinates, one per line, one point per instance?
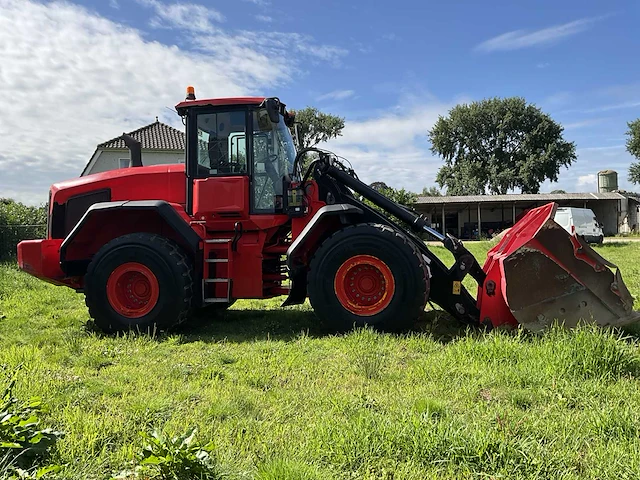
(80, 72)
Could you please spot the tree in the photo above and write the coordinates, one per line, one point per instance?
(315, 126)
(431, 192)
(402, 196)
(19, 222)
(379, 186)
(558, 191)
(498, 144)
(633, 147)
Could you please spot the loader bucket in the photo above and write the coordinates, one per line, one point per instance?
(539, 274)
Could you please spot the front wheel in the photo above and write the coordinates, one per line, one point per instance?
(368, 274)
(139, 282)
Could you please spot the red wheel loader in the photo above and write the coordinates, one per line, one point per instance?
(242, 218)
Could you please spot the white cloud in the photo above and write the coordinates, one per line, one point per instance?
(71, 79)
(392, 146)
(557, 100)
(583, 123)
(589, 179)
(582, 175)
(543, 65)
(114, 4)
(279, 47)
(264, 18)
(185, 16)
(336, 95)
(601, 149)
(518, 39)
(260, 3)
(617, 106)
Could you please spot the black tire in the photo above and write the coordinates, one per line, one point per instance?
(400, 256)
(164, 259)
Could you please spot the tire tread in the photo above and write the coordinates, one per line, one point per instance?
(172, 253)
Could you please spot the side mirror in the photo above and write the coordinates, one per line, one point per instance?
(273, 109)
(290, 118)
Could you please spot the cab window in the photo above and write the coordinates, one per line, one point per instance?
(222, 146)
(273, 155)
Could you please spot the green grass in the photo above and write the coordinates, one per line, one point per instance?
(281, 398)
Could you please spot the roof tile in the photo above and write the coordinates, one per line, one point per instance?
(155, 136)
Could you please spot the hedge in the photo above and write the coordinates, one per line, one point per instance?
(19, 222)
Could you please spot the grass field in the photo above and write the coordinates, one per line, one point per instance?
(280, 398)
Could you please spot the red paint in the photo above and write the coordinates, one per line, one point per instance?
(219, 203)
(165, 182)
(364, 285)
(94, 235)
(221, 195)
(133, 290)
(495, 308)
(579, 253)
(41, 258)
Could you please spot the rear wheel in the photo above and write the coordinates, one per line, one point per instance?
(368, 274)
(139, 282)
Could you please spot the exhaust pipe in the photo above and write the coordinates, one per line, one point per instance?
(135, 149)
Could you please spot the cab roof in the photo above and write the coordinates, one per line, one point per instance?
(183, 106)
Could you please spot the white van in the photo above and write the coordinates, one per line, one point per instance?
(582, 222)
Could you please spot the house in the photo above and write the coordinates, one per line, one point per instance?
(160, 143)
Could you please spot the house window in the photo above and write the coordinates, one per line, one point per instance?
(125, 162)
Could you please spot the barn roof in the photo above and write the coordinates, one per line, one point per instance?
(527, 197)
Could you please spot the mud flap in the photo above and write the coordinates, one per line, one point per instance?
(298, 291)
(539, 274)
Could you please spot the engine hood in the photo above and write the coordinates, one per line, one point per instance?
(156, 182)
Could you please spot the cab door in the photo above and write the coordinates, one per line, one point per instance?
(221, 183)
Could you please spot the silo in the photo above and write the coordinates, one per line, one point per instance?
(607, 181)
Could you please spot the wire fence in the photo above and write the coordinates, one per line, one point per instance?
(11, 235)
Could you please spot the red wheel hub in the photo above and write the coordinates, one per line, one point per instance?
(133, 290)
(364, 285)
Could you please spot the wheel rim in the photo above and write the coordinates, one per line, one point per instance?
(364, 285)
(132, 290)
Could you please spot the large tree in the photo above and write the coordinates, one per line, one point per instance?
(431, 192)
(498, 144)
(315, 127)
(633, 147)
(379, 186)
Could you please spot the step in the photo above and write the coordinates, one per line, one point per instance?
(216, 260)
(216, 280)
(216, 300)
(218, 240)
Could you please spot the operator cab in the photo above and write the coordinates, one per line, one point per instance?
(245, 138)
